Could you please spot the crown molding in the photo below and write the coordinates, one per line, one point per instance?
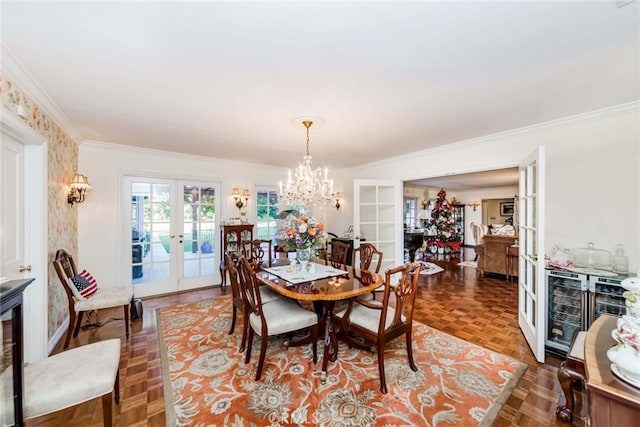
(15, 71)
(632, 107)
(174, 154)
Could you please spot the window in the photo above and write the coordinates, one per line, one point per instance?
(266, 213)
(410, 209)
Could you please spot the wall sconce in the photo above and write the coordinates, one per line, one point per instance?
(474, 205)
(78, 190)
(336, 204)
(236, 196)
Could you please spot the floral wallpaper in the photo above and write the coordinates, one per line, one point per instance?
(62, 159)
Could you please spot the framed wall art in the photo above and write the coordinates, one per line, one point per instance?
(506, 208)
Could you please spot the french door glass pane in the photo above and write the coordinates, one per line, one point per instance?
(150, 217)
(199, 224)
(266, 214)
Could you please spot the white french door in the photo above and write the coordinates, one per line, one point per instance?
(532, 289)
(170, 232)
(23, 224)
(378, 218)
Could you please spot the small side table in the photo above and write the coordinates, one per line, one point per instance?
(571, 375)
(511, 252)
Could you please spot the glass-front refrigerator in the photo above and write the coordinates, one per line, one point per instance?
(605, 296)
(568, 309)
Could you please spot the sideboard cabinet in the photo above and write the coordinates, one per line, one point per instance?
(231, 238)
(612, 401)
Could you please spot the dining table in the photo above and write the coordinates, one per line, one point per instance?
(323, 286)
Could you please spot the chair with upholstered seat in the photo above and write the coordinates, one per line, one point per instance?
(104, 297)
(380, 322)
(73, 377)
(477, 230)
(277, 317)
(238, 281)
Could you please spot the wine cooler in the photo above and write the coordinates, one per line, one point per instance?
(605, 297)
(568, 309)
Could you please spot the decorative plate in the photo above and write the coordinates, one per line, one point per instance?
(624, 377)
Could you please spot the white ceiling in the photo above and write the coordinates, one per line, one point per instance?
(228, 79)
(507, 177)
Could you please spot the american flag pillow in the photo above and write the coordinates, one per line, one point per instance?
(85, 284)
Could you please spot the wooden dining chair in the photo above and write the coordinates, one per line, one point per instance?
(337, 256)
(366, 256)
(279, 316)
(238, 281)
(237, 298)
(104, 297)
(378, 323)
(259, 252)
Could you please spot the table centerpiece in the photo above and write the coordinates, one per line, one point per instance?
(305, 235)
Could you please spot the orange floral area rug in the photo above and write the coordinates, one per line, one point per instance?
(207, 383)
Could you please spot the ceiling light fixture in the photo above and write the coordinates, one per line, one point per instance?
(307, 187)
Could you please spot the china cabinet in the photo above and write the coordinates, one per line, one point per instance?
(458, 220)
(231, 238)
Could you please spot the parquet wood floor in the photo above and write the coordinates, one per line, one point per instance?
(482, 310)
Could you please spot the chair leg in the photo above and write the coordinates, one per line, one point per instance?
(245, 327)
(249, 345)
(107, 408)
(72, 321)
(234, 313)
(126, 320)
(412, 362)
(263, 352)
(383, 382)
(116, 386)
(78, 322)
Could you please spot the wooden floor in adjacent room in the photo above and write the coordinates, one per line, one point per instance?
(482, 310)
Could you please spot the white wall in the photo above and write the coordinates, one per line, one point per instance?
(99, 238)
(592, 181)
(592, 174)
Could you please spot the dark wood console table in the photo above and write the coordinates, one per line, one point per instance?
(612, 402)
(12, 345)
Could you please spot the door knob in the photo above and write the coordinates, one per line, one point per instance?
(23, 268)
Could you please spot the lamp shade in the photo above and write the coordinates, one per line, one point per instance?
(423, 214)
(80, 182)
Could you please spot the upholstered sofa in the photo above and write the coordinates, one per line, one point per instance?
(492, 252)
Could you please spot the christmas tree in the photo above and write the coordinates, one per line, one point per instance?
(442, 219)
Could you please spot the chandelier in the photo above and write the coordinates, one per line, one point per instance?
(307, 187)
